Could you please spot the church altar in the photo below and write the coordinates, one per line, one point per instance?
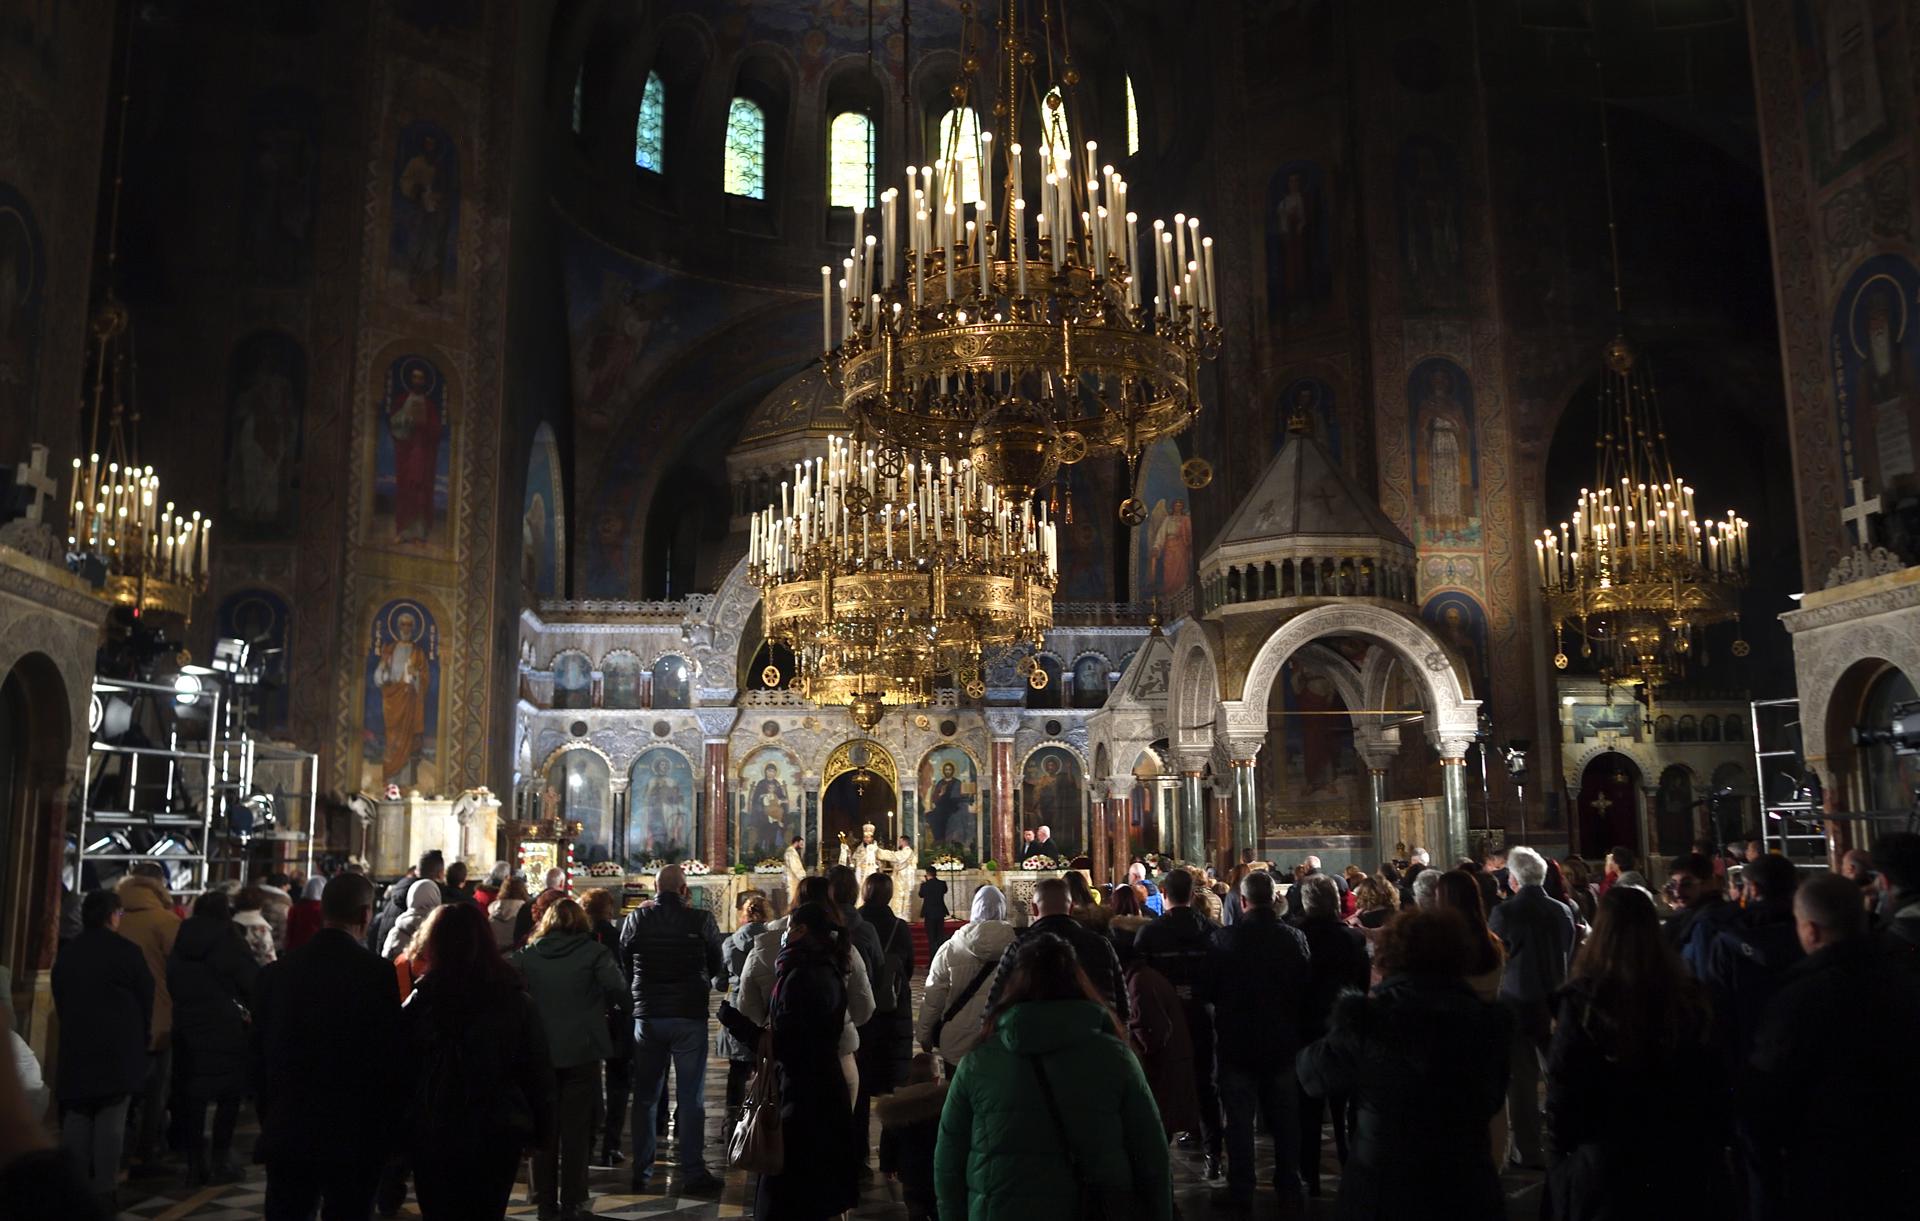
(464, 828)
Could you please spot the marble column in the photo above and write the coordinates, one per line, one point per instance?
(1453, 790)
(1246, 806)
(1166, 799)
(1193, 817)
(1220, 826)
(718, 820)
(1383, 837)
(1001, 765)
(1120, 823)
(1097, 808)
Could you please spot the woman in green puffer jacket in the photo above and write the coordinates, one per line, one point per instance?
(1017, 1145)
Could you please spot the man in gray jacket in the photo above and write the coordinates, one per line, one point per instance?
(1537, 930)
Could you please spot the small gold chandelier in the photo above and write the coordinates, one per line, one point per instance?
(154, 556)
(1018, 330)
(1636, 574)
(879, 583)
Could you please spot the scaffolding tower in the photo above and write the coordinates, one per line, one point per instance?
(1791, 812)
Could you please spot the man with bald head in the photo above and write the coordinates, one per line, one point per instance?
(671, 953)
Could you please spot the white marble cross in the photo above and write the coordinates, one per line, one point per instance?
(33, 474)
(1859, 512)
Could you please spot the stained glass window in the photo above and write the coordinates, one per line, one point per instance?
(579, 81)
(1053, 130)
(1133, 121)
(650, 130)
(850, 161)
(746, 164)
(960, 142)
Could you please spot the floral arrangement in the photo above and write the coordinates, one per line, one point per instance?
(653, 866)
(990, 866)
(605, 869)
(1039, 862)
(694, 869)
(770, 865)
(948, 864)
(740, 868)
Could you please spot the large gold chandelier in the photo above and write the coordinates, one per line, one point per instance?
(1021, 329)
(1635, 574)
(879, 583)
(1001, 321)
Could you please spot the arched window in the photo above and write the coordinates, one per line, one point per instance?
(746, 163)
(650, 129)
(1133, 121)
(850, 161)
(579, 84)
(671, 685)
(960, 143)
(1055, 142)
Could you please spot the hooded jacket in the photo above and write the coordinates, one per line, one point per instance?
(1002, 1154)
(573, 981)
(423, 898)
(977, 947)
(150, 922)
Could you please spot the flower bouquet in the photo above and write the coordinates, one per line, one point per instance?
(605, 869)
(948, 864)
(770, 865)
(694, 869)
(1038, 863)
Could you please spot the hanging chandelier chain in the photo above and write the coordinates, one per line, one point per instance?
(1606, 167)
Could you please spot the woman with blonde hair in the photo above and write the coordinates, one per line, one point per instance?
(573, 982)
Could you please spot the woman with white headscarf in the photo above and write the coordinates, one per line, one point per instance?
(961, 976)
(421, 902)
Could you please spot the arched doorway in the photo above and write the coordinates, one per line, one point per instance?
(35, 726)
(1673, 815)
(861, 786)
(1609, 798)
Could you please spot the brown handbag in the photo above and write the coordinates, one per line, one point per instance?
(757, 1144)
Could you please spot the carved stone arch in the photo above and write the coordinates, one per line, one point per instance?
(1340, 672)
(740, 769)
(1452, 715)
(578, 744)
(717, 634)
(1083, 654)
(1193, 697)
(879, 760)
(1835, 671)
(667, 744)
(610, 654)
(1079, 756)
(557, 654)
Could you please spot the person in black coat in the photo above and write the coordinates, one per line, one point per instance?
(1537, 930)
(1633, 1026)
(103, 996)
(210, 974)
(1258, 975)
(1425, 1061)
(807, 1014)
(1834, 1064)
(671, 954)
(485, 1092)
(1748, 960)
(1336, 963)
(1053, 913)
(1179, 945)
(933, 910)
(886, 1041)
(326, 1021)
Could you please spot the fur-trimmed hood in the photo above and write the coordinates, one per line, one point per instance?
(140, 893)
(911, 1104)
(1128, 926)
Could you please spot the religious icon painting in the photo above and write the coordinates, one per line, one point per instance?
(773, 809)
(23, 270)
(1461, 623)
(423, 247)
(1875, 346)
(1444, 447)
(1163, 543)
(543, 521)
(412, 470)
(1300, 282)
(1051, 796)
(572, 680)
(620, 680)
(1427, 198)
(266, 401)
(277, 186)
(584, 782)
(1313, 399)
(400, 705)
(261, 618)
(949, 801)
(1848, 56)
(661, 806)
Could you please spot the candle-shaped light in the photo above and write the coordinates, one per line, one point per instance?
(1019, 237)
(1206, 262)
(826, 309)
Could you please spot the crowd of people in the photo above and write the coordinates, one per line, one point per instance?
(1733, 1043)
